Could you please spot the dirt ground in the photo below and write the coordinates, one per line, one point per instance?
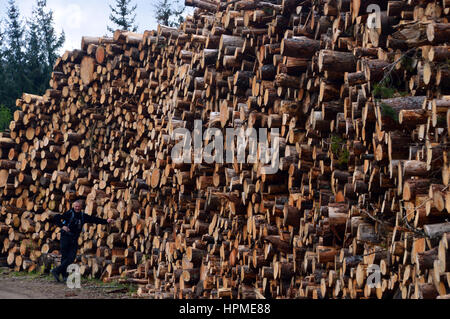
(24, 286)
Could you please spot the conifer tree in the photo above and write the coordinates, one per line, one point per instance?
(169, 12)
(15, 58)
(5, 113)
(122, 15)
(51, 41)
(43, 44)
(35, 70)
(27, 55)
(2, 62)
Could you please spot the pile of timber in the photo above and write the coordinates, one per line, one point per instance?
(362, 191)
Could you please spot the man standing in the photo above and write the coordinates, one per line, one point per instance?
(71, 223)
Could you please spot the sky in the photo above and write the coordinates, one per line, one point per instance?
(86, 17)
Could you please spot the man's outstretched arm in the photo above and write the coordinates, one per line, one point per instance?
(97, 220)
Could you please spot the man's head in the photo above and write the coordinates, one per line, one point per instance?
(77, 206)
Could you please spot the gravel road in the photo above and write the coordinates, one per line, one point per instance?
(13, 286)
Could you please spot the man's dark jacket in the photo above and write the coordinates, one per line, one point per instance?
(76, 222)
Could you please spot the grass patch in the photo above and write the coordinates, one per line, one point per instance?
(4, 270)
(86, 282)
(30, 275)
(130, 288)
(94, 281)
(19, 274)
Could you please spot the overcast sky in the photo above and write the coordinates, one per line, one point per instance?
(86, 17)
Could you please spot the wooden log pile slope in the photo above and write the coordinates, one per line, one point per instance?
(360, 97)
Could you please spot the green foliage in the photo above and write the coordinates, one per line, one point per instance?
(339, 150)
(169, 12)
(268, 11)
(123, 16)
(51, 43)
(14, 79)
(30, 275)
(391, 83)
(386, 90)
(387, 110)
(95, 282)
(344, 156)
(407, 63)
(380, 90)
(28, 52)
(5, 117)
(336, 143)
(441, 121)
(42, 269)
(18, 274)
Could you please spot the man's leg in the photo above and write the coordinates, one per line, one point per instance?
(72, 255)
(66, 249)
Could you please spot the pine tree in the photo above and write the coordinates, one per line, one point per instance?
(123, 16)
(169, 13)
(51, 41)
(48, 41)
(2, 62)
(14, 56)
(2, 38)
(5, 112)
(3, 123)
(28, 53)
(35, 69)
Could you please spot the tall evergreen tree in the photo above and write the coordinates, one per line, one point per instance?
(2, 36)
(122, 15)
(2, 62)
(15, 58)
(5, 113)
(35, 70)
(27, 55)
(43, 44)
(51, 41)
(169, 13)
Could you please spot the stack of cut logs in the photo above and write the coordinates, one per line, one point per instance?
(359, 207)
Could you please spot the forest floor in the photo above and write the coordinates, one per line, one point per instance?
(20, 285)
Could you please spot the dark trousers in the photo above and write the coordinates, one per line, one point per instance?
(69, 246)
